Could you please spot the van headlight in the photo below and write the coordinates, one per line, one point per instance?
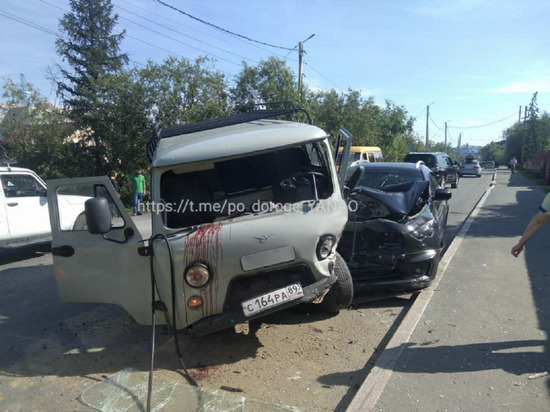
(197, 275)
(325, 246)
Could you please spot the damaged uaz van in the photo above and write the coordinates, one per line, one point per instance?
(246, 214)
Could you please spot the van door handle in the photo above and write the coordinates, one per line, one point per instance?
(64, 251)
(11, 204)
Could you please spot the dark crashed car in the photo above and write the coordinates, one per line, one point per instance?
(396, 227)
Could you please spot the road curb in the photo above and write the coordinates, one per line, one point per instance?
(368, 394)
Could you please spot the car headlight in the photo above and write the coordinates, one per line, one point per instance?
(424, 231)
(325, 246)
(197, 275)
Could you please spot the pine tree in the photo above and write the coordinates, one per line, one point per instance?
(91, 51)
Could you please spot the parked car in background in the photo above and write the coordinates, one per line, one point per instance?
(470, 167)
(440, 163)
(24, 216)
(396, 226)
(488, 165)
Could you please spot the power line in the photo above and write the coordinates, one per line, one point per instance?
(182, 34)
(220, 28)
(312, 82)
(181, 42)
(153, 45)
(322, 75)
(433, 122)
(244, 43)
(483, 125)
(29, 23)
(36, 26)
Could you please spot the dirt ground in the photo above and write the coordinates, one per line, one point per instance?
(296, 358)
(51, 352)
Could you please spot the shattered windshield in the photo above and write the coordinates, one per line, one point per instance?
(382, 179)
(258, 183)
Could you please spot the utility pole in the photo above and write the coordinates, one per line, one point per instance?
(427, 127)
(523, 136)
(300, 61)
(458, 147)
(445, 137)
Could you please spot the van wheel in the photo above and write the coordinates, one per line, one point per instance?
(340, 294)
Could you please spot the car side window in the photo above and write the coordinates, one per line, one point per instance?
(71, 205)
(15, 185)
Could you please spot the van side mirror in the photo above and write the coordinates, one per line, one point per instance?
(98, 215)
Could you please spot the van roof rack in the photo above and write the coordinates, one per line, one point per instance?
(259, 111)
(7, 163)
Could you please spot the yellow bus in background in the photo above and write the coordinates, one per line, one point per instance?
(371, 154)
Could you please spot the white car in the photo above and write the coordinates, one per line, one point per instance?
(24, 215)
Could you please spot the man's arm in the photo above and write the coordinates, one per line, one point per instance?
(531, 230)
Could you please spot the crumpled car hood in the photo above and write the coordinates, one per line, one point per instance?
(399, 199)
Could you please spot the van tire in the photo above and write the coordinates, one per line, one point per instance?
(340, 294)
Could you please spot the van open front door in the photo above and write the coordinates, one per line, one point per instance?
(97, 268)
(342, 153)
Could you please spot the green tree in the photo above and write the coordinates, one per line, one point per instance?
(180, 91)
(514, 137)
(270, 81)
(495, 152)
(91, 50)
(37, 136)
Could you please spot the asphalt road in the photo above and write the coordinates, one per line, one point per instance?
(477, 340)
(51, 352)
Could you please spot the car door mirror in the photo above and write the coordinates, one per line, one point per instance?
(353, 180)
(98, 215)
(442, 194)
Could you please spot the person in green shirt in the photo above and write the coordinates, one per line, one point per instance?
(137, 186)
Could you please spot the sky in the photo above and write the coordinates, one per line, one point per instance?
(469, 63)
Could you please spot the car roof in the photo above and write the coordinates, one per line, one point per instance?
(11, 169)
(234, 140)
(388, 165)
(428, 153)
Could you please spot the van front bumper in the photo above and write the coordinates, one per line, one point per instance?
(234, 316)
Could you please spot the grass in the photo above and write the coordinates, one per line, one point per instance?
(537, 179)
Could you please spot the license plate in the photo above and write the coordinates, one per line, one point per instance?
(271, 299)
